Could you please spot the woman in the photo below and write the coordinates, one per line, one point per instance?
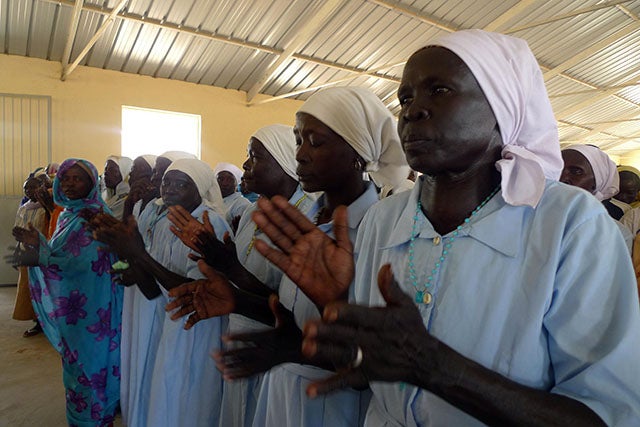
(30, 212)
(589, 168)
(343, 135)
(76, 300)
(168, 378)
(116, 183)
(505, 324)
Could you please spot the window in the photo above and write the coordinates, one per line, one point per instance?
(146, 131)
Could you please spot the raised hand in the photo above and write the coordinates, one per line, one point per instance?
(204, 298)
(320, 266)
(27, 236)
(260, 351)
(370, 343)
(122, 236)
(201, 237)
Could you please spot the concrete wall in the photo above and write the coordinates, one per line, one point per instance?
(86, 108)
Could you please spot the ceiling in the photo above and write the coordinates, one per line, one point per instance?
(588, 50)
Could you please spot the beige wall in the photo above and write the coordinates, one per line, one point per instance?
(86, 108)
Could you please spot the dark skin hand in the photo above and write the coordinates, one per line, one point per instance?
(201, 238)
(22, 256)
(143, 190)
(321, 267)
(397, 347)
(29, 237)
(125, 240)
(215, 296)
(262, 350)
(45, 199)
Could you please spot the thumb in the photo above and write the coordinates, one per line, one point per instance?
(341, 228)
(390, 289)
(207, 222)
(275, 307)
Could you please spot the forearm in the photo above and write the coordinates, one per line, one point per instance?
(493, 398)
(253, 306)
(167, 278)
(244, 280)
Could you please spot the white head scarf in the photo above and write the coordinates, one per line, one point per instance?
(150, 159)
(175, 155)
(604, 170)
(124, 164)
(205, 180)
(511, 80)
(280, 142)
(362, 120)
(233, 169)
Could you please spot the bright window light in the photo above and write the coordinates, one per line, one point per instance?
(146, 131)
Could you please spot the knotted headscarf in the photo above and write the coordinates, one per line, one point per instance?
(124, 164)
(604, 170)
(175, 155)
(362, 120)
(150, 159)
(280, 142)
(229, 167)
(512, 82)
(205, 181)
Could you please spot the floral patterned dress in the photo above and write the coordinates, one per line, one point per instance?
(80, 307)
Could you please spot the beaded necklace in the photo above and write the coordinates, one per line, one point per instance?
(255, 228)
(423, 294)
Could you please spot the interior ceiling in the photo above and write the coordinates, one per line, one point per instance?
(588, 50)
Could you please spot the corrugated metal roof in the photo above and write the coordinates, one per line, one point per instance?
(589, 50)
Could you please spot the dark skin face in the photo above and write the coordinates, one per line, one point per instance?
(76, 183)
(31, 187)
(162, 163)
(179, 189)
(112, 175)
(446, 124)
(325, 160)
(628, 188)
(577, 171)
(139, 170)
(262, 173)
(227, 183)
(449, 133)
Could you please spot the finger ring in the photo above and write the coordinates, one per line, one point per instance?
(358, 359)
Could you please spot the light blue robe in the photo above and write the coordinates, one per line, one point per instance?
(236, 204)
(240, 396)
(282, 399)
(546, 297)
(173, 366)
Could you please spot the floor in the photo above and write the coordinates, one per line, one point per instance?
(31, 392)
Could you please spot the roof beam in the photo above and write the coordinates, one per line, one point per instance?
(511, 13)
(576, 59)
(69, 69)
(305, 31)
(71, 35)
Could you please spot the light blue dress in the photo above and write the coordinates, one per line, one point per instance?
(80, 307)
(546, 297)
(282, 399)
(173, 380)
(240, 396)
(236, 204)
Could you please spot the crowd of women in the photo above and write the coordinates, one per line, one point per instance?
(489, 293)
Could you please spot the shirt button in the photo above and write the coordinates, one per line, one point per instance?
(436, 240)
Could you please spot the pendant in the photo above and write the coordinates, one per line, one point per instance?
(423, 297)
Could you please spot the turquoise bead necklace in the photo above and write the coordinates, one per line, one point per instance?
(423, 294)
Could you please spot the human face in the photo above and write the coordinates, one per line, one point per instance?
(30, 188)
(628, 188)
(112, 175)
(227, 183)
(162, 163)
(325, 160)
(179, 189)
(577, 171)
(262, 173)
(76, 183)
(139, 170)
(446, 124)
